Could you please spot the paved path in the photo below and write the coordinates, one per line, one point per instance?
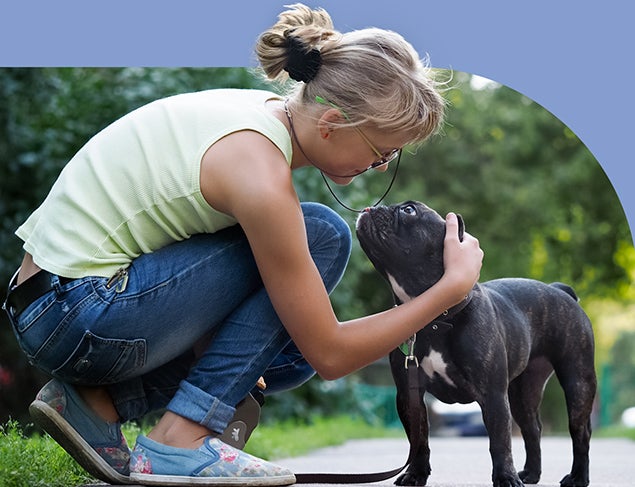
(465, 462)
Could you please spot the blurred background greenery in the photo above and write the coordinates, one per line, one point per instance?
(527, 187)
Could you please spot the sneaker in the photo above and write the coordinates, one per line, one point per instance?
(244, 421)
(214, 463)
(97, 445)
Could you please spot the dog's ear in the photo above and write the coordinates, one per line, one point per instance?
(461, 227)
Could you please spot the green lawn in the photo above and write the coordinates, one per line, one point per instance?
(290, 439)
(35, 461)
(615, 432)
(39, 461)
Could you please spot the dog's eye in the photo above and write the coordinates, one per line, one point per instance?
(408, 210)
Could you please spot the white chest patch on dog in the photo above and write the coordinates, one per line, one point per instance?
(398, 290)
(433, 362)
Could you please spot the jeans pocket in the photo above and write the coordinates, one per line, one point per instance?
(33, 312)
(100, 361)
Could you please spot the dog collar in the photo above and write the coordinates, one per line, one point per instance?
(440, 323)
(454, 310)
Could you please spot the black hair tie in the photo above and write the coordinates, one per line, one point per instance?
(303, 64)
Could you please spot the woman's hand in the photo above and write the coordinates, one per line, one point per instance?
(462, 260)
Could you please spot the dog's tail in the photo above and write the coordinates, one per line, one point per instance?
(566, 288)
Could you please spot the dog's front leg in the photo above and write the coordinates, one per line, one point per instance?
(415, 423)
(498, 421)
(419, 469)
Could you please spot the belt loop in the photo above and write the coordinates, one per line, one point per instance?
(5, 305)
(55, 283)
(13, 279)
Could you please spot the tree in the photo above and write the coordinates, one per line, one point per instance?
(526, 186)
(46, 116)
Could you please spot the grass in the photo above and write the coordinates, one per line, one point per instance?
(615, 432)
(36, 460)
(288, 439)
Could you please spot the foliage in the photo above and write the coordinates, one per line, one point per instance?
(46, 116)
(35, 461)
(619, 376)
(50, 113)
(316, 398)
(291, 438)
(526, 186)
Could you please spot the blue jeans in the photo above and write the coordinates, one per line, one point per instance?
(140, 341)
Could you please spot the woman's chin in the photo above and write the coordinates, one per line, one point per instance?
(340, 181)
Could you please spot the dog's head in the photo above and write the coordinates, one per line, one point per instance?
(405, 244)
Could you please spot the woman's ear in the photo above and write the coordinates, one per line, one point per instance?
(329, 122)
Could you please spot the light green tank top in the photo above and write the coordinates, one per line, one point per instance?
(135, 186)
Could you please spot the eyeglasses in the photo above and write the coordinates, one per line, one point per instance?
(383, 159)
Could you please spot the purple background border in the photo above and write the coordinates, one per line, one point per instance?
(574, 58)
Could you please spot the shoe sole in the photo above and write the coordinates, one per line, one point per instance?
(173, 480)
(65, 435)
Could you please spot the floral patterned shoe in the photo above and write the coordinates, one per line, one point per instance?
(214, 463)
(98, 446)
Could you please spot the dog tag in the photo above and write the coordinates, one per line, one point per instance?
(408, 347)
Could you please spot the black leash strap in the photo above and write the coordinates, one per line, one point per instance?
(414, 398)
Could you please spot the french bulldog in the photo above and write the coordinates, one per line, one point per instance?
(498, 347)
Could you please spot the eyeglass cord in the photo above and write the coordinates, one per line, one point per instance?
(392, 180)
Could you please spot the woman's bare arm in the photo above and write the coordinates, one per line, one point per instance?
(256, 188)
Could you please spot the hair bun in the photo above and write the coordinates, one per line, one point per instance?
(303, 63)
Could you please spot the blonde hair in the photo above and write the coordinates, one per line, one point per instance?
(373, 75)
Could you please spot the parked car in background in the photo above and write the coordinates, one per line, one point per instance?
(455, 419)
(628, 417)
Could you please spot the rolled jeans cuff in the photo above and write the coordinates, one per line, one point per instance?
(194, 404)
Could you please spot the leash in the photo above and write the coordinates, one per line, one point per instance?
(440, 324)
(414, 398)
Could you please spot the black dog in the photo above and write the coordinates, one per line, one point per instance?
(498, 348)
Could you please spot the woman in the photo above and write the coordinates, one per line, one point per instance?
(172, 265)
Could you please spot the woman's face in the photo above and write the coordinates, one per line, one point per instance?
(352, 151)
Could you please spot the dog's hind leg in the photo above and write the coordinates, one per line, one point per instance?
(579, 384)
(525, 396)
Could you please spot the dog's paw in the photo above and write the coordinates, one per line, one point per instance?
(410, 478)
(529, 477)
(508, 480)
(574, 481)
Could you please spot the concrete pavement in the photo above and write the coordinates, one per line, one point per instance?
(465, 462)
